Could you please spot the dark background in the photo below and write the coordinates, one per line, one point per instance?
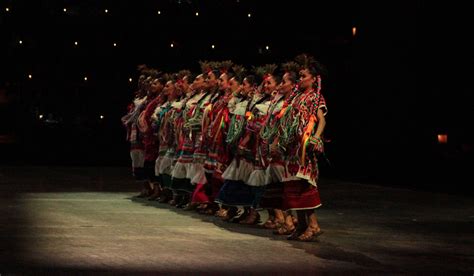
(392, 88)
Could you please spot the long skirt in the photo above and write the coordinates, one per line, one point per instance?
(300, 195)
(149, 171)
(272, 196)
(237, 193)
(182, 185)
(207, 193)
(201, 194)
(166, 180)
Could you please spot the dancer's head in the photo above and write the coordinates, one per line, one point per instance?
(248, 85)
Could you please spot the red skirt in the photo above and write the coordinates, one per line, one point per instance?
(300, 195)
(200, 195)
(206, 193)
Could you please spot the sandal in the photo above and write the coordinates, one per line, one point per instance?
(221, 213)
(156, 194)
(190, 206)
(143, 193)
(163, 199)
(284, 230)
(274, 224)
(208, 211)
(201, 206)
(309, 235)
(172, 202)
(252, 218)
(230, 214)
(269, 224)
(294, 236)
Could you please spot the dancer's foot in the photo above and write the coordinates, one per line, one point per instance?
(310, 234)
(284, 230)
(221, 213)
(252, 218)
(230, 214)
(156, 194)
(143, 193)
(273, 224)
(190, 206)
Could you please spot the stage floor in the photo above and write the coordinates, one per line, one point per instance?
(85, 220)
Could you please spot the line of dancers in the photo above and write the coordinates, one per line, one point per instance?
(229, 142)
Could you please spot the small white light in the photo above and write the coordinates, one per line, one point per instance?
(130, 79)
(212, 46)
(197, 13)
(75, 43)
(40, 116)
(115, 44)
(172, 45)
(267, 47)
(21, 42)
(7, 9)
(249, 15)
(102, 116)
(159, 12)
(85, 78)
(64, 10)
(106, 10)
(30, 76)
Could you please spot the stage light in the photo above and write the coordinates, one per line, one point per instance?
(7, 9)
(85, 78)
(75, 43)
(40, 116)
(442, 138)
(64, 10)
(115, 44)
(106, 10)
(171, 45)
(354, 29)
(130, 79)
(20, 42)
(267, 47)
(197, 13)
(249, 15)
(101, 116)
(212, 46)
(159, 12)
(30, 76)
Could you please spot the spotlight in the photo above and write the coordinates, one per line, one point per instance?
(442, 138)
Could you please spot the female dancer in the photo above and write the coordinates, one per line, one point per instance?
(301, 127)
